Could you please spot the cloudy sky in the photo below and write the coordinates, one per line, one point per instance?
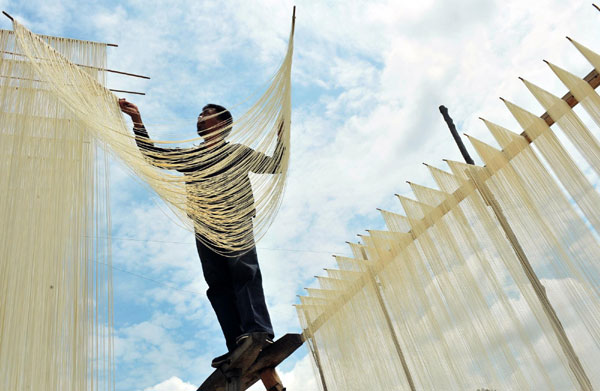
(368, 77)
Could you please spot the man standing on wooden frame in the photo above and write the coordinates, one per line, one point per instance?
(234, 281)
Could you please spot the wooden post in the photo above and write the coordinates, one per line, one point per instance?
(455, 135)
(540, 291)
(234, 380)
(316, 355)
(389, 323)
(271, 380)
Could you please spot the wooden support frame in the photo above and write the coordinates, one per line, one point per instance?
(256, 361)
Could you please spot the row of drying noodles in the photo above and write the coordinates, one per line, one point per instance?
(59, 126)
(491, 282)
(55, 279)
(227, 190)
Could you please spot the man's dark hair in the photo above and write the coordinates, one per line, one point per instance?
(224, 116)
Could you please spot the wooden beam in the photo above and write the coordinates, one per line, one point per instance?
(592, 78)
(271, 380)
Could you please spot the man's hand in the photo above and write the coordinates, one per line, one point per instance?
(131, 110)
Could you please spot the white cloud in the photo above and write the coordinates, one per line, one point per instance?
(300, 378)
(172, 384)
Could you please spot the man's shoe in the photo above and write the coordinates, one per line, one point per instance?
(240, 340)
(222, 359)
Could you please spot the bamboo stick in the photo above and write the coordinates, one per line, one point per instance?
(88, 66)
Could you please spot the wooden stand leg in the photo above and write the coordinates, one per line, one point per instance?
(271, 380)
(234, 380)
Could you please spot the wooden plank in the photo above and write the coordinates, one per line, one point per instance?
(240, 360)
(271, 356)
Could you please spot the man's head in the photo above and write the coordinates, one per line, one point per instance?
(214, 122)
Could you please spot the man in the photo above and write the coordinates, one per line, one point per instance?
(234, 281)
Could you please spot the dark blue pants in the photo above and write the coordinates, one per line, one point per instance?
(235, 292)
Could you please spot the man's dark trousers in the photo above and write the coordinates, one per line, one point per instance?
(235, 292)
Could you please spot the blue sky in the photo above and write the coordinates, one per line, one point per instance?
(368, 77)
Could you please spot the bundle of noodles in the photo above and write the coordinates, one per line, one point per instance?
(491, 281)
(55, 275)
(227, 192)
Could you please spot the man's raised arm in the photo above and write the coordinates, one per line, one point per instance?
(160, 157)
(271, 164)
